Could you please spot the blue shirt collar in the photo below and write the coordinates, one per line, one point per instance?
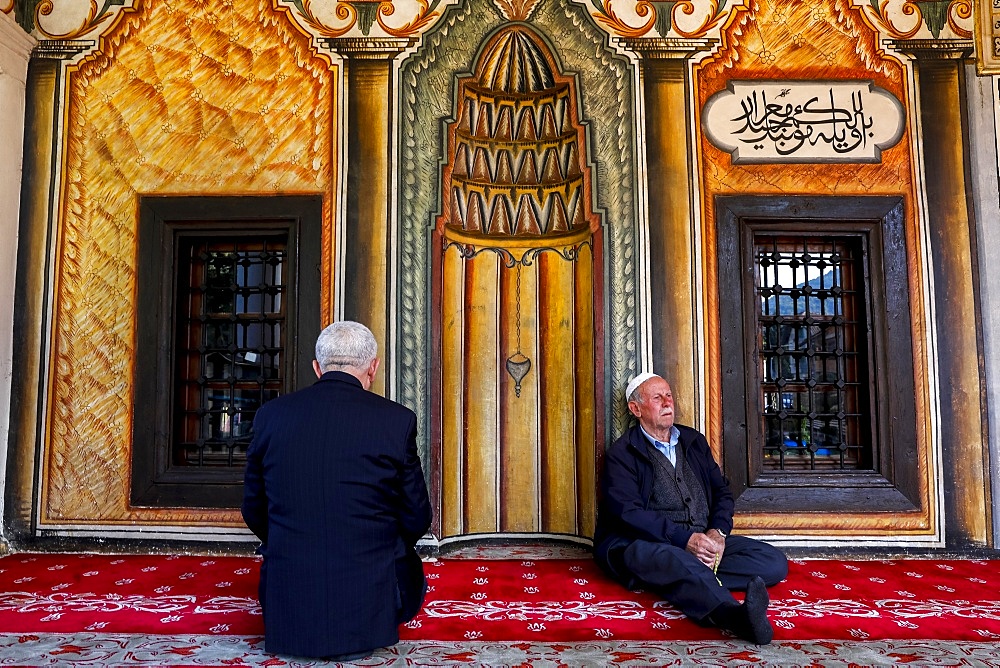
(675, 435)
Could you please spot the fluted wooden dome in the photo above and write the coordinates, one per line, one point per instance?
(515, 63)
(515, 167)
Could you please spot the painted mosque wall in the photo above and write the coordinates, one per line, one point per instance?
(828, 43)
(181, 100)
(15, 48)
(528, 202)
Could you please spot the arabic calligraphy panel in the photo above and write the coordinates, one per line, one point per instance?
(803, 121)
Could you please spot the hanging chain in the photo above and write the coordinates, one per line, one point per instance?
(517, 311)
(517, 364)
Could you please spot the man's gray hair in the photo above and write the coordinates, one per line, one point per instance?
(345, 344)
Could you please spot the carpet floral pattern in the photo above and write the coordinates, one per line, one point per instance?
(91, 609)
(573, 600)
(96, 649)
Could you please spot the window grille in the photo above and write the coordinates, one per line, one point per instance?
(812, 353)
(230, 343)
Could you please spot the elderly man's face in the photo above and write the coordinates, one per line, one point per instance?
(656, 410)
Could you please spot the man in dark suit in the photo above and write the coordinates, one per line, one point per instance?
(335, 492)
(665, 519)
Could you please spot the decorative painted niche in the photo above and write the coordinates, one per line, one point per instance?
(519, 248)
(439, 224)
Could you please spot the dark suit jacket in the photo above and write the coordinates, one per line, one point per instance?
(627, 488)
(335, 492)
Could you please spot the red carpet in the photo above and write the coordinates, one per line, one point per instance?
(570, 600)
(557, 600)
(129, 594)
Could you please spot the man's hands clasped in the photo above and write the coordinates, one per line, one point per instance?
(707, 547)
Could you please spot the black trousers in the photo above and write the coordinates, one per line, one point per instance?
(691, 586)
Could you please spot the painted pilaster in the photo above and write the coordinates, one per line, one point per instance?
(367, 234)
(15, 48)
(39, 198)
(939, 68)
(672, 214)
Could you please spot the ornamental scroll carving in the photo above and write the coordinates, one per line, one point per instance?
(327, 19)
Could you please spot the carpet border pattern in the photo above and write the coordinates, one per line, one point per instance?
(122, 649)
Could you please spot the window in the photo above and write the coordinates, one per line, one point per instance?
(815, 376)
(227, 289)
(230, 342)
(817, 369)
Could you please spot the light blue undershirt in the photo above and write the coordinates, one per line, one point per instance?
(669, 449)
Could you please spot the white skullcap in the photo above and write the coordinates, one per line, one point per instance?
(637, 381)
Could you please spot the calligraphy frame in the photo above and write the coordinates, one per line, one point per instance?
(780, 128)
(987, 36)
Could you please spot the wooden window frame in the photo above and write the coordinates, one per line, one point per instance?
(163, 222)
(893, 485)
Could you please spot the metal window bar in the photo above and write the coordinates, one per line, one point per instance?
(809, 313)
(231, 346)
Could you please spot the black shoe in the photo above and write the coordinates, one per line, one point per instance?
(749, 620)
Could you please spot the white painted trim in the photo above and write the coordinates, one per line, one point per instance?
(515, 536)
(644, 315)
(984, 155)
(393, 252)
(238, 535)
(994, 396)
(935, 445)
(841, 543)
(48, 316)
(429, 540)
(213, 534)
(936, 471)
(15, 48)
(699, 406)
(338, 207)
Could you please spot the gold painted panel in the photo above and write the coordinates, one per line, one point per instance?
(187, 98)
(584, 351)
(557, 373)
(520, 421)
(480, 383)
(452, 467)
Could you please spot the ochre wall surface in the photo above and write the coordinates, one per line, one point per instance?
(796, 40)
(184, 98)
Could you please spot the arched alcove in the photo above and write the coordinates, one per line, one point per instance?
(516, 263)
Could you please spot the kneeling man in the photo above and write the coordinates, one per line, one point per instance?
(665, 519)
(335, 492)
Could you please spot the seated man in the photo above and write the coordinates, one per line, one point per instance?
(665, 516)
(335, 492)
